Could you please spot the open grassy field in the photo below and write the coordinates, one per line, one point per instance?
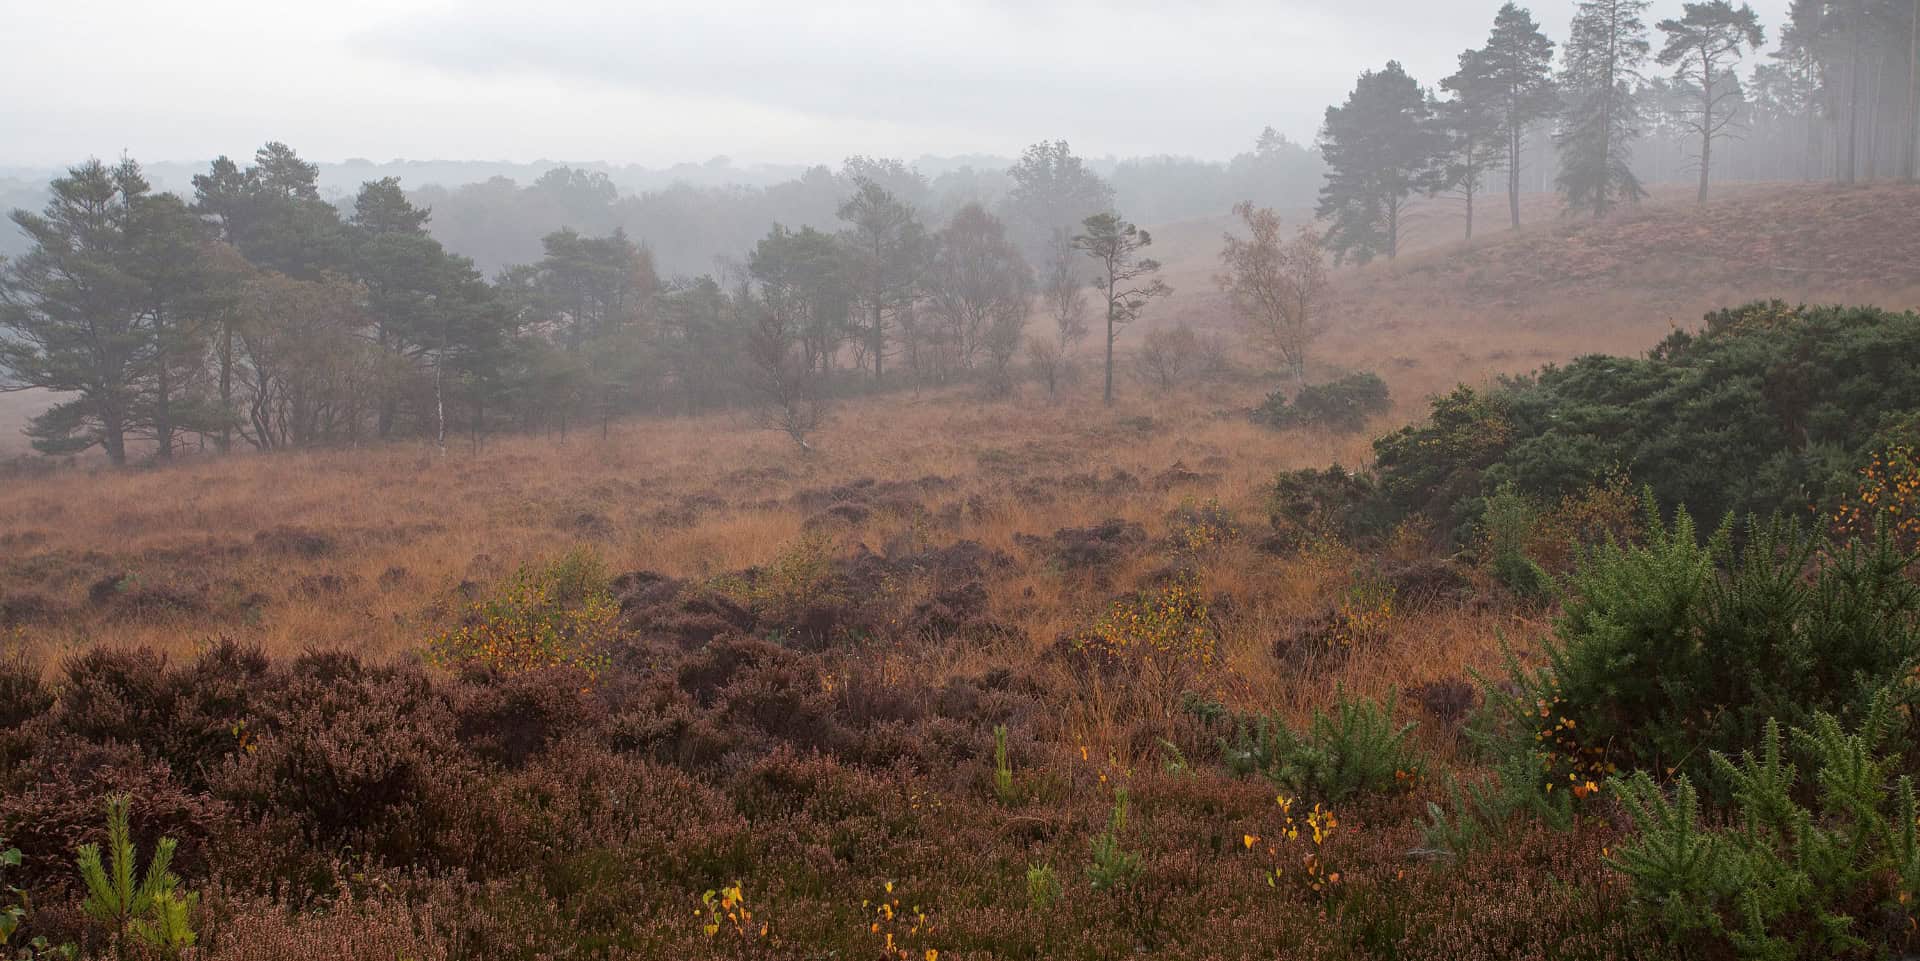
(965, 541)
(368, 548)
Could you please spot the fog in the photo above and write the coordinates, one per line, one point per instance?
(665, 83)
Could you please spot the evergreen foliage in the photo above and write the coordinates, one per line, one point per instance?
(1113, 866)
(1672, 649)
(1517, 77)
(146, 909)
(1344, 405)
(1766, 408)
(1605, 50)
(1821, 859)
(1381, 147)
(1353, 749)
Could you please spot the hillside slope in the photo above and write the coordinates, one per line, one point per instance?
(1511, 300)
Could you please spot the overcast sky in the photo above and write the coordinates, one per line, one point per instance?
(633, 81)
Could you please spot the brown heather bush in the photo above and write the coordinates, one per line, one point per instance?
(347, 930)
(358, 758)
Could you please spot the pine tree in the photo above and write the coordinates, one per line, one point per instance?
(1518, 73)
(426, 306)
(273, 213)
(1472, 130)
(1380, 146)
(1703, 44)
(135, 907)
(103, 308)
(1125, 280)
(1604, 53)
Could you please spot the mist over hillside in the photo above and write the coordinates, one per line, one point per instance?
(1422, 480)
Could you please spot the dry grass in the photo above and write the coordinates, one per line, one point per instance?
(401, 531)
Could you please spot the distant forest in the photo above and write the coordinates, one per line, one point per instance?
(690, 215)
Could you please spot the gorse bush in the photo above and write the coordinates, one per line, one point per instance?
(1343, 405)
(1673, 648)
(1353, 749)
(1329, 504)
(1519, 791)
(559, 615)
(1822, 860)
(1766, 408)
(1509, 522)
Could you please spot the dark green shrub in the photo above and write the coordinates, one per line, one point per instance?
(1824, 862)
(1673, 648)
(1342, 405)
(1307, 504)
(1509, 521)
(1353, 749)
(1436, 468)
(1765, 409)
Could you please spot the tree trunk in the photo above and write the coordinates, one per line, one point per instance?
(1393, 228)
(1851, 166)
(113, 436)
(1706, 131)
(879, 343)
(1513, 174)
(1108, 395)
(439, 406)
(1913, 94)
(224, 440)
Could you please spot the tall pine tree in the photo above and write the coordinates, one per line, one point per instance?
(1703, 45)
(1604, 53)
(1518, 73)
(1380, 147)
(1472, 129)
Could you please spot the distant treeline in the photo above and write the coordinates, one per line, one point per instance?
(260, 313)
(688, 215)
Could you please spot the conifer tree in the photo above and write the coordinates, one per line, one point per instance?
(886, 249)
(1704, 44)
(1603, 56)
(1125, 279)
(1380, 146)
(1517, 71)
(1472, 131)
(103, 309)
(272, 211)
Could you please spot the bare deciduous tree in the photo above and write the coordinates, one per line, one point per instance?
(1278, 288)
(1048, 361)
(981, 289)
(784, 380)
(1064, 291)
